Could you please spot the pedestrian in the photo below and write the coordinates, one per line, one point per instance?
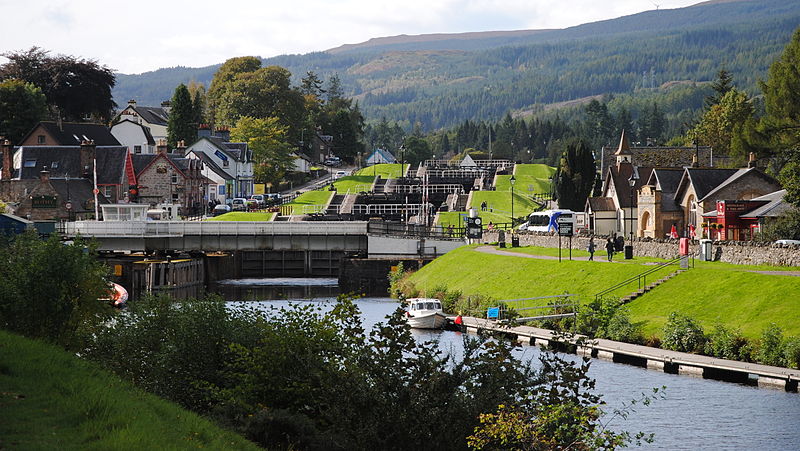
(483, 206)
(590, 248)
(610, 248)
(490, 226)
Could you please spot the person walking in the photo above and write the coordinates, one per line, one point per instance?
(590, 248)
(610, 248)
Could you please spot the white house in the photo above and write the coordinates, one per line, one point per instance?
(301, 163)
(235, 160)
(135, 136)
(154, 118)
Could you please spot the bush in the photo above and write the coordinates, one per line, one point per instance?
(620, 328)
(727, 344)
(684, 334)
(791, 352)
(770, 347)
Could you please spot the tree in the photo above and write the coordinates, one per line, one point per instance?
(181, 125)
(74, 87)
(722, 121)
(575, 176)
(222, 82)
(197, 91)
(651, 124)
(416, 150)
(266, 137)
(721, 86)
(22, 106)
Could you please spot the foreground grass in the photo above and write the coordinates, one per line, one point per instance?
(244, 216)
(386, 171)
(711, 292)
(53, 400)
(498, 204)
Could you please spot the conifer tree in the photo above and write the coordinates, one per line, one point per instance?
(575, 176)
(181, 125)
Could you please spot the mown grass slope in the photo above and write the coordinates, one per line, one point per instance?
(711, 292)
(244, 216)
(310, 201)
(50, 399)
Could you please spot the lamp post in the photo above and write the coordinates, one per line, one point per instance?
(402, 161)
(512, 181)
(632, 183)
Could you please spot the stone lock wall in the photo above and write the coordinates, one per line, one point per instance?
(736, 252)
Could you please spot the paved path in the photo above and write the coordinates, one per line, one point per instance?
(598, 257)
(779, 273)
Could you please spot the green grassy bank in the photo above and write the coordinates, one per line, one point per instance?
(711, 292)
(50, 399)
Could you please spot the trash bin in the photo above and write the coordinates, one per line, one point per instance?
(705, 250)
(628, 252)
(514, 241)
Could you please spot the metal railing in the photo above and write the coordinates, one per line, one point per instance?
(559, 310)
(640, 279)
(198, 228)
(414, 230)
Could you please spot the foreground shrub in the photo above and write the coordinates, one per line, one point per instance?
(770, 347)
(50, 290)
(684, 334)
(728, 344)
(791, 352)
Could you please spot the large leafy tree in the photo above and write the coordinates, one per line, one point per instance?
(182, 125)
(22, 105)
(575, 176)
(272, 153)
(222, 83)
(74, 87)
(722, 121)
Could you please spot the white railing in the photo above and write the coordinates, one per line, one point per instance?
(378, 209)
(195, 228)
(440, 188)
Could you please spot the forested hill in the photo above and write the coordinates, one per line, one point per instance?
(441, 80)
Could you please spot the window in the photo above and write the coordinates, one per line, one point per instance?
(225, 163)
(30, 163)
(54, 165)
(137, 149)
(174, 179)
(175, 198)
(107, 190)
(40, 139)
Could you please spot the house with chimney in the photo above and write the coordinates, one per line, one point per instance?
(155, 119)
(135, 136)
(58, 182)
(233, 159)
(169, 177)
(49, 133)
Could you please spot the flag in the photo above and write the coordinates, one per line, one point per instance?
(673, 233)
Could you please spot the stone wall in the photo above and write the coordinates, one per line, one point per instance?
(736, 252)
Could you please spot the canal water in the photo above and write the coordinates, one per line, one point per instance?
(696, 414)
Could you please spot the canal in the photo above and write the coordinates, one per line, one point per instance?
(696, 414)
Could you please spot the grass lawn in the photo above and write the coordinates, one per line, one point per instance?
(541, 171)
(51, 399)
(709, 292)
(244, 216)
(353, 184)
(499, 203)
(310, 200)
(386, 171)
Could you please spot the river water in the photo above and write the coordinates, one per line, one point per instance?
(696, 414)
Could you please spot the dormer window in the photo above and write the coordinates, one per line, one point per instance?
(40, 139)
(29, 164)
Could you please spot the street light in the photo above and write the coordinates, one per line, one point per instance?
(632, 183)
(402, 161)
(512, 180)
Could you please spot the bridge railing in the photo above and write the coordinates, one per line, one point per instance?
(414, 230)
(181, 228)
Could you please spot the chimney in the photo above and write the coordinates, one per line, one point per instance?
(165, 105)
(161, 146)
(751, 162)
(44, 175)
(204, 131)
(181, 148)
(88, 150)
(8, 168)
(223, 133)
(132, 102)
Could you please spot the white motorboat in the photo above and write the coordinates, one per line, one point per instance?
(425, 313)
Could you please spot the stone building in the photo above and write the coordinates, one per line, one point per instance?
(168, 177)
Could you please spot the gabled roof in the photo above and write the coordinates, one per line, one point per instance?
(468, 162)
(146, 130)
(619, 178)
(666, 179)
(73, 133)
(601, 204)
(704, 180)
(776, 206)
(738, 176)
(237, 151)
(151, 114)
(382, 154)
(78, 191)
(211, 164)
(141, 161)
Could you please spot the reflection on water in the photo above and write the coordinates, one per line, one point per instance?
(275, 289)
(697, 413)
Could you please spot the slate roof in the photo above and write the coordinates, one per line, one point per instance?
(65, 161)
(775, 207)
(619, 177)
(704, 180)
(601, 204)
(209, 162)
(666, 180)
(140, 161)
(72, 133)
(236, 150)
(78, 191)
(737, 176)
(659, 157)
(152, 114)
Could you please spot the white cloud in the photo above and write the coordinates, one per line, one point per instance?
(145, 35)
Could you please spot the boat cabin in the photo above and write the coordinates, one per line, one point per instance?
(417, 304)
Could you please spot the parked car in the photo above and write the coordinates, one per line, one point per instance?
(794, 242)
(252, 204)
(239, 204)
(333, 161)
(273, 199)
(261, 199)
(220, 209)
(340, 174)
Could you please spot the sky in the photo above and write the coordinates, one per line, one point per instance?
(136, 36)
